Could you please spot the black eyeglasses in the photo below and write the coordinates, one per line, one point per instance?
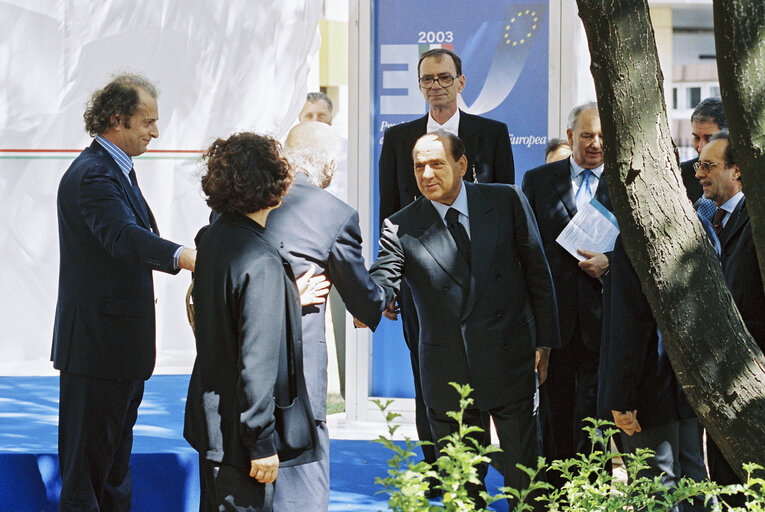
(707, 166)
(427, 81)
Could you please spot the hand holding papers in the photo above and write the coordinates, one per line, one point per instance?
(593, 229)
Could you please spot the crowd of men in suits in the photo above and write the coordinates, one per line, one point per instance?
(470, 260)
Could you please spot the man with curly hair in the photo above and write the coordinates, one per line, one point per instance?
(104, 331)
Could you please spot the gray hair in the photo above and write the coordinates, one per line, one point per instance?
(311, 147)
(710, 110)
(573, 117)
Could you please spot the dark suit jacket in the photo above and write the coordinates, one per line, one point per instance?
(317, 228)
(548, 189)
(248, 332)
(479, 325)
(487, 147)
(742, 271)
(635, 370)
(692, 185)
(104, 324)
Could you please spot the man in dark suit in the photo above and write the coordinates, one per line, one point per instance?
(320, 230)
(639, 390)
(104, 333)
(555, 192)
(707, 119)
(489, 160)
(472, 257)
(720, 178)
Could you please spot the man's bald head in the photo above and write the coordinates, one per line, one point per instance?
(313, 147)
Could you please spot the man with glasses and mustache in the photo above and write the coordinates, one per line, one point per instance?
(489, 160)
(720, 179)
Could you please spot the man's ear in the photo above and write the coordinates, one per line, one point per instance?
(461, 83)
(570, 136)
(115, 121)
(463, 163)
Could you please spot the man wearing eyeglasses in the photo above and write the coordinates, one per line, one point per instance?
(489, 160)
(720, 178)
(707, 119)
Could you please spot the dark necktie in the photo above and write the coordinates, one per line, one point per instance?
(138, 195)
(717, 220)
(457, 230)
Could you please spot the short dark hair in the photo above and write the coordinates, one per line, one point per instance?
(246, 173)
(554, 144)
(456, 147)
(313, 97)
(117, 101)
(725, 135)
(711, 110)
(438, 54)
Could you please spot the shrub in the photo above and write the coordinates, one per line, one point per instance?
(589, 486)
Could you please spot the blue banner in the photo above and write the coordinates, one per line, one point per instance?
(504, 50)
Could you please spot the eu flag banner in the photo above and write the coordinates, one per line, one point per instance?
(504, 49)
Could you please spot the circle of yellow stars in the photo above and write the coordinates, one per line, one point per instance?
(533, 23)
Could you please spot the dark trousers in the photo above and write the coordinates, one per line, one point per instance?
(305, 486)
(225, 488)
(571, 386)
(411, 328)
(721, 473)
(516, 426)
(678, 452)
(95, 437)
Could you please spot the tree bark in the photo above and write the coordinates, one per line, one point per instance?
(719, 365)
(740, 43)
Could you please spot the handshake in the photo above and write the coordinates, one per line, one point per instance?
(391, 313)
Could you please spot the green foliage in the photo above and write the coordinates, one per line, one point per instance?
(589, 486)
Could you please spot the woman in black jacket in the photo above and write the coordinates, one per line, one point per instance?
(247, 409)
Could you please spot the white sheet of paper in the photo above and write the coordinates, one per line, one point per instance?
(593, 228)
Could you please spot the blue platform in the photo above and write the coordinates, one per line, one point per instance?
(165, 468)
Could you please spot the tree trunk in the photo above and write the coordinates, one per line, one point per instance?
(740, 43)
(718, 364)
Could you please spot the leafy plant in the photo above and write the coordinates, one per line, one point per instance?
(589, 486)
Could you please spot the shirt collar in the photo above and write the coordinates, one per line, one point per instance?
(452, 125)
(124, 162)
(460, 204)
(577, 169)
(731, 203)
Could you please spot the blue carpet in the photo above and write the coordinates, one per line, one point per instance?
(165, 471)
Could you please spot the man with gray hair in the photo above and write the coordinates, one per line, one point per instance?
(320, 230)
(555, 192)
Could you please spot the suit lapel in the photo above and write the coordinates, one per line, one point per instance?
(738, 218)
(439, 243)
(471, 138)
(484, 226)
(144, 216)
(147, 222)
(601, 194)
(561, 182)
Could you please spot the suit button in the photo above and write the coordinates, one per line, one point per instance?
(155, 302)
(498, 314)
(499, 276)
(504, 347)
(445, 288)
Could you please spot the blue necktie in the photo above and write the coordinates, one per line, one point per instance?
(706, 207)
(584, 194)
